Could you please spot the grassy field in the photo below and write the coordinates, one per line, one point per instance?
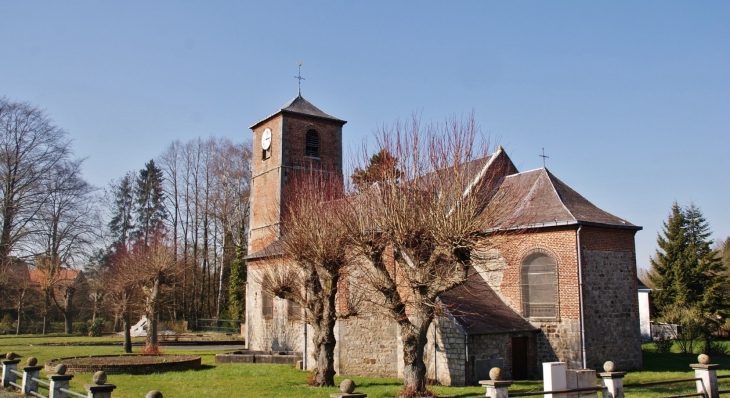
(261, 380)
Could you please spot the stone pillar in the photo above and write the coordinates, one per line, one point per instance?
(496, 388)
(99, 390)
(8, 375)
(553, 377)
(30, 372)
(57, 382)
(708, 373)
(613, 381)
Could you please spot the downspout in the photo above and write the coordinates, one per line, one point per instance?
(466, 367)
(304, 356)
(580, 299)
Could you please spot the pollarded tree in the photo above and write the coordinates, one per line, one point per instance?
(428, 221)
(313, 239)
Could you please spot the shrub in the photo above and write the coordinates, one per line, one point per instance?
(663, 345)
(7, 324)
(95, 327)
(714, 347)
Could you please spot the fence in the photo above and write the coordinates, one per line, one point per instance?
(218, 325)
(57, 384)
(555, 382)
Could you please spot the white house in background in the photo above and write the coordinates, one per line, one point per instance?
(644, 311)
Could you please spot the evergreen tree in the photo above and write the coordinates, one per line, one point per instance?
(382, 166)
(237, 281)
(685, 270)
(709, 277)
(150, 203)
(669, 260)
(121, 224)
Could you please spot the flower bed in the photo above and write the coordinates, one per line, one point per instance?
(127, 364)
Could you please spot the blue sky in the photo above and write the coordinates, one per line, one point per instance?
(631, 100)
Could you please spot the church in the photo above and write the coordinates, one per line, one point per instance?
(565, 289)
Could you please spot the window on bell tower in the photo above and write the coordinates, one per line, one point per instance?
(312, 144)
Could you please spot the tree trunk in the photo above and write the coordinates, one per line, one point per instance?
(324, 355)
(324, 332)
(414, 369)
(20, 312)
(67, 311)
(151, 339)
(126, 326)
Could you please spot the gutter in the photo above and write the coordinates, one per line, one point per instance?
(580, 298)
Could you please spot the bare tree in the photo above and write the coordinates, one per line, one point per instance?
(152, 268)
(30, 149)
(417, 229)
(122, 291)
(315, 260)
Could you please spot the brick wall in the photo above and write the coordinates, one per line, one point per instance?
(265, 186)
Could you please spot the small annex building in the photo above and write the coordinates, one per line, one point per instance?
(563, 289)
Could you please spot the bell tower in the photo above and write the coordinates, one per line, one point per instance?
(297, 136)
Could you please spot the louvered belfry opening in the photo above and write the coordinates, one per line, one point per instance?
(539, 286)
(312, 144)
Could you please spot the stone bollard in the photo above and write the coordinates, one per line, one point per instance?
(612, 380)
(29, 373)
(496, 387)
(58, 381)
(347, 387)
(99, 389)
(8, 376)
(708, 373)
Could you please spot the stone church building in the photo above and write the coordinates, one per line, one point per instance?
(562, 289)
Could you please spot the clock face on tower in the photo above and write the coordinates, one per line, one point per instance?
(266, 139)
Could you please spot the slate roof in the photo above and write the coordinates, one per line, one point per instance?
(300, 106)
(477, 309)
(537, 198)
(273, 249)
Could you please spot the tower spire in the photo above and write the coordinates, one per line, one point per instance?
(300, 78)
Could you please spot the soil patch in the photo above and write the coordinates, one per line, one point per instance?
(127, 364)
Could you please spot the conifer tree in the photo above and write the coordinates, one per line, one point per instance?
(237, 280)
(121, 224)
(381, 166)
(150, 203)
(685, 270)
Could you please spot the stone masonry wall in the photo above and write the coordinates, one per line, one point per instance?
(611, 298)
(367, 347)
(446, 360)
(265, 333)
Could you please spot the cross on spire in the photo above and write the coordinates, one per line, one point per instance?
(300, 78)
(543, 156)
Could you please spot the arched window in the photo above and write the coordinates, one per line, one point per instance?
(539, 286)
(312, 144)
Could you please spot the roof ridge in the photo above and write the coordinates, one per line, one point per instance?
(560, 198)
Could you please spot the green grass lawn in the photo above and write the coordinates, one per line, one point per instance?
(263, 380)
